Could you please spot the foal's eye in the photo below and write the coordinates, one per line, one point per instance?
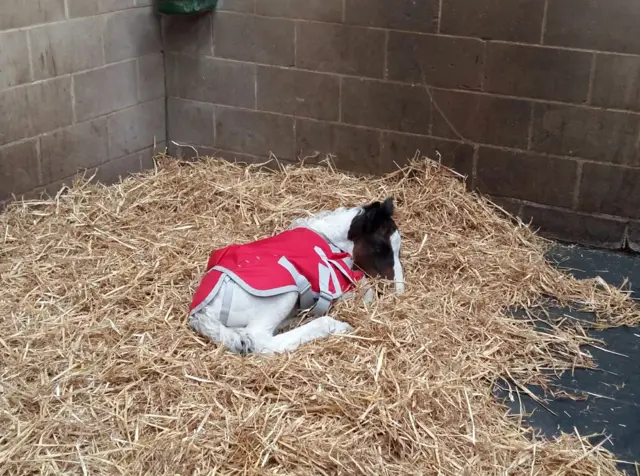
(382, 249)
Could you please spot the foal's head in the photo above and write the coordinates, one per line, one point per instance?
(368, 233)
(376, 242)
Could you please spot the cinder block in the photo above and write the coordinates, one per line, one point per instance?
(234, 157)
(214, 80)
(74, 148)
(190, 123)
(35, 108)
(14, 54)
(105, 90)
(575, 228)
(398, 107)
(439, 61)
(15, 122)
(508, 20)
(399, 148)
(408, 15)
(317, 10)
(171, 61)
(536, 72)
(56, 50)
(610, 25)
(49, 104)
(526, 176)
(245, 6)
(481, 118)
(188, 34)
(340, 49)
(21, 13)
(85, 8)
(136, 128)
(119, 169)
(634, 236)
(509, 205)
(254, 133)
(131, 33)
(299, 93)
(617, 82)
(263, 40)
(603, 136)
(352, 148)
(19, 168)
(151, 77)
(609, 189)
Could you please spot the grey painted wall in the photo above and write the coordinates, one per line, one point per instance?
(81, 88)
(536, 101)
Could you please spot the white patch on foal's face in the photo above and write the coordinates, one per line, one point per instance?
(398, 276)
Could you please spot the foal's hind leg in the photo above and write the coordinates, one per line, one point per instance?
(318, 328)
(249, 323)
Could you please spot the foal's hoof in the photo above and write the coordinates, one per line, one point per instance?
(339, 327)
(368, 296)
(245, 345)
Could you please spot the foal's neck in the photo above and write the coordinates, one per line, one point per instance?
(333, 225)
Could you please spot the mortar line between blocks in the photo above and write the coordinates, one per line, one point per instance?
(212, 36)
(532, 116)
(30, 54)
(543, 27)
(294, 146)
(474, 165)
(576, 191)
(215, 127)
(39, 156)
(255, 87)
(72, 93)
(340, 99)
(295, 43)
(592, 77)
(385, 54)
(108, 141)
(103, 26)
(165, 80)
(483, 73)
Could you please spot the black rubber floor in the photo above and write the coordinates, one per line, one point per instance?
(609, 395)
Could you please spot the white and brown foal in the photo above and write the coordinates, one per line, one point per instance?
(246, 320)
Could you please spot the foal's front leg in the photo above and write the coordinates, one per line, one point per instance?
(369, 294)
(318, 328)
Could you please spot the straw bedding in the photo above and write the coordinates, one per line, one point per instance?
(100, 374)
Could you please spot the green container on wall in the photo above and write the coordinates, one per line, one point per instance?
(186, 7)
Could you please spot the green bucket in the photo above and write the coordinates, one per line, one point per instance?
(186, 7)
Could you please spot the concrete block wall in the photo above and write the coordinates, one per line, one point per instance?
(81, 89)
(537, 101)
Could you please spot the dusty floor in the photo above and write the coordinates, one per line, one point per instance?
(609, 401)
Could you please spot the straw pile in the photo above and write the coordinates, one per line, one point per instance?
(99, 373)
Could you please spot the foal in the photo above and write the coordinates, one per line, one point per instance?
(251, 291)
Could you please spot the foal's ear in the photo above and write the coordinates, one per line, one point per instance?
(387, 206)
(375, 216)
